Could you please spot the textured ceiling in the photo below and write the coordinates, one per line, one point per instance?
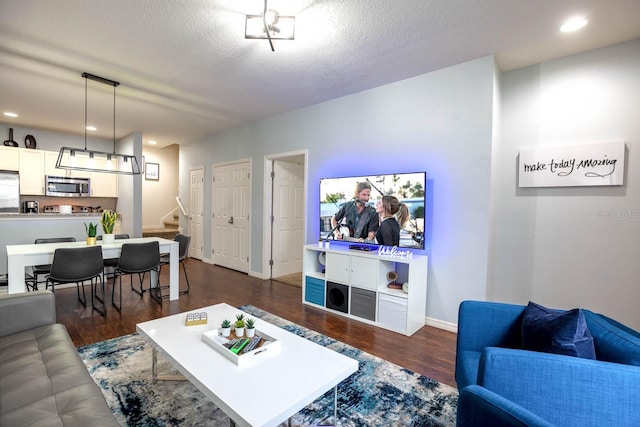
(186, 70)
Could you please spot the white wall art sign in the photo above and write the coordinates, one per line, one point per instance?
(572, 165)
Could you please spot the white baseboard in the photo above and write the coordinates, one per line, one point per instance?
(440, 324)
(256, 274)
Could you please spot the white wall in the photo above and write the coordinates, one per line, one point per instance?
(158, 197)
(53, 141)
(571, 247)
(439, 122)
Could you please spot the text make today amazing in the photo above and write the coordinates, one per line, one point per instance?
(566, 167)
(574, 165)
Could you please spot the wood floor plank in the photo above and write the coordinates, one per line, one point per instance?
(430, 351)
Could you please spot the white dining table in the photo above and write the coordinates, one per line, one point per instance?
(21, 256)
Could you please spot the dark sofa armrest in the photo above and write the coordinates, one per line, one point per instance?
(21, 312)
(566, 390)
(479, 407)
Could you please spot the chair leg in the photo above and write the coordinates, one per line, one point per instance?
(105, 275)
(156, 292)
(103, 283)
(113, 290)
(141, 279)
(184, 268)
(102, 311)
(44, 280)
(31, 283)
(82, 300)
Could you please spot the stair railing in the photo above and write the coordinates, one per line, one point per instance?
(181, 206)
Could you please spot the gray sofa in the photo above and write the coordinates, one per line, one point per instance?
(43, 381)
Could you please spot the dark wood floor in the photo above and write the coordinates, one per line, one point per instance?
(430, 351)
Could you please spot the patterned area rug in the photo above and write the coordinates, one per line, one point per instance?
(380, 393)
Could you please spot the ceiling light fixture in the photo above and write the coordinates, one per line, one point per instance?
(574, 24)
(10, 114)
(98, 161)
(270, 25)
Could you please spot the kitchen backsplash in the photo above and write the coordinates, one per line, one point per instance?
(89, 204)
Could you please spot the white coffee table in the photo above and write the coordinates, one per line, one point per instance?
(264, 393)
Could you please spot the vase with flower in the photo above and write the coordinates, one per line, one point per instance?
(108, 221)
(91, 233)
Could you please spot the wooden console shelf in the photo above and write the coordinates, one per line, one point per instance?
(353, 283)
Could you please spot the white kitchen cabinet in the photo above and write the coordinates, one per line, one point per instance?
(51, 157)
(102, 184)
(31, 172)
(354, 283)
(9, 158)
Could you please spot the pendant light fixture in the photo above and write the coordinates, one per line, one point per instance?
(270, 25)
(98, 161)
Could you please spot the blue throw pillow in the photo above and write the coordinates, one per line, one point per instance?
(556, 331)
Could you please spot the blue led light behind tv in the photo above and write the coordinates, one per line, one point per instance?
(383, 184)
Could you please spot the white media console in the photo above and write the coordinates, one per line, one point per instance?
(353, 283)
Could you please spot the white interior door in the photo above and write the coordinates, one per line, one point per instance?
(196, 212)
(288, 218)
(230, 222)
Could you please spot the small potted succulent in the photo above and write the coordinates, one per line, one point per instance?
(250, 325)
(225, 328)
(91, 233)
(239, 325)
(108, 221)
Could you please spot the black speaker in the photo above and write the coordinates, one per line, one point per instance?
(338, 297)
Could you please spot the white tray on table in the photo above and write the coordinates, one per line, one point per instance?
(267, 349)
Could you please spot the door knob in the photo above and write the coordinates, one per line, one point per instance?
(231, 220)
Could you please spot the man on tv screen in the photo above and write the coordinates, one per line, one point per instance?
(359, 220)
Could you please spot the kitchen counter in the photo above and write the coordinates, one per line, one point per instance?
(47, 215)
(19, 229)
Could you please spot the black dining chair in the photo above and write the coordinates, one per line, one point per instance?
(184, 242)
(32, 280)
(138, 259)
(77, 265)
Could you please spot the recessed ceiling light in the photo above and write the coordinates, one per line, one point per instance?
(574, 24)
(10, 114)
(92, 128)
(152, 142)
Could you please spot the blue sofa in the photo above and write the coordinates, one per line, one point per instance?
(502, 385)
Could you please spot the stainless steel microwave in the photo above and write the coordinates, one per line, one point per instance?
(64, 186)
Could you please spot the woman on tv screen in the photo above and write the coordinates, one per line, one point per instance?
(393, 216)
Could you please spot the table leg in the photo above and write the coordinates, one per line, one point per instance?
(174, 281)
(335, 405)
(161, 377)
(15, 275)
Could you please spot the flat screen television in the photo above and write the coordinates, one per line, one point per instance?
(409, 188)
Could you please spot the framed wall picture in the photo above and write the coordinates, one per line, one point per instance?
(152, 171)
